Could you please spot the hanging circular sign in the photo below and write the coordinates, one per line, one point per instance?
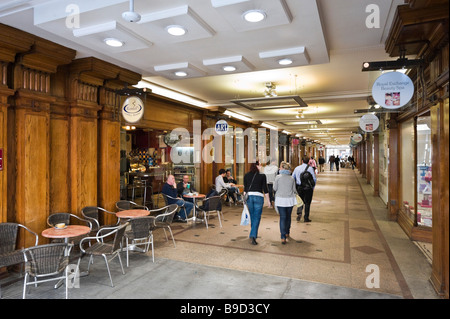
(393, 90)
(357, 138)
(369, 123)
(133, 109)
(221, 127)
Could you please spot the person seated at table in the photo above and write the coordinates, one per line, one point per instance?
(205, 204)
(221, 184)
(170, 190)
(230, 179)
(185, 186)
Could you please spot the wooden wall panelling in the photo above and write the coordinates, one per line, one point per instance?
(376, 164)
(393, 169)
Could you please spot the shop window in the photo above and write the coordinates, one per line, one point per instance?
(407, 168)
(424, 177)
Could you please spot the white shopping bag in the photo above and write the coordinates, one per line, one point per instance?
(245, 218)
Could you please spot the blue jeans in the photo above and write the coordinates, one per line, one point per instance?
(285, 220)
(188, 206)
(255, 206)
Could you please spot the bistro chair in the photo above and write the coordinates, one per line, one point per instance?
(94, 214)
(105, 249)
(140, 234)
(127, 204)
(164, 218)
(169, 200)
(9, 253)
(211, 205)
(44, 262)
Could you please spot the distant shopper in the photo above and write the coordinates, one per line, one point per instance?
(305, 179)
(255, 185)
(312, 163)
(331, 161)
(169, 189)
(321, 163)
(271, 172)
(337, 161)
(285, 200)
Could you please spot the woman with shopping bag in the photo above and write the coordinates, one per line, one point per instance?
(285, 199)
(255, 188)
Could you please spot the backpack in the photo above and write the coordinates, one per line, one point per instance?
(306, 180)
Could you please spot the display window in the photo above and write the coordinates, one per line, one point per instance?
(424, 176)
(407, 168)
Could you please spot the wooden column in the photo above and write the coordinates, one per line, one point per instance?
(376, 165)
(368, 158)
(393, 169)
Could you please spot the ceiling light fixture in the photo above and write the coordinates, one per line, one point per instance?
(285, 61)
(181, 74)
(176, 30)
(269, 126)
(112, 42)
(254, 16)
(229, 68)
(238, 116)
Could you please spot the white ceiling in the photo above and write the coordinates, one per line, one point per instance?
(328, 41)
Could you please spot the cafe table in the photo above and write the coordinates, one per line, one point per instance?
(194, 211)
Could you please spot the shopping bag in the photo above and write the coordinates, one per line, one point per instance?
(299, 201)
(245, 218)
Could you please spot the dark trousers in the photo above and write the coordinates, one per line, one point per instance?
(271, 195)
(306, 195)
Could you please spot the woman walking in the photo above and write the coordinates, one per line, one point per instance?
(285, 199)
(255, 185)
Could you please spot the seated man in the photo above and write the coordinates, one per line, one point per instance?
(221, 183)
(170, 190)
(185, 186)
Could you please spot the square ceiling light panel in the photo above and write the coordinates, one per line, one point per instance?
(158, 24)
(270, 103)
(289, 57)
(97, 36)
(179, 71)
(227, 65)
(273, 13)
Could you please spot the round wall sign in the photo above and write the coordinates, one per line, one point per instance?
(133, 109)
(357, 138)
(221, 127)
(369, 123)
(393, 90)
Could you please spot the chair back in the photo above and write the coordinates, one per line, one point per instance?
(119, 236)
(142, 226)
(213, 203)
(47, 259)
(167, 217)
(8, 237)
(57, 218)
(91, 213)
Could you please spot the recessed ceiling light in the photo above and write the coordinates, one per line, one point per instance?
(181, 74)
(176, 30)
(229, 68)
(112, 42)
(254, 15)
(285, 61)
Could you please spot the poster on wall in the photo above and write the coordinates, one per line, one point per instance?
(393, 90)
(369, 123)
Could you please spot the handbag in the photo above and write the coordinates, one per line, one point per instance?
(299, 201)
(245, 217)
(245, 197)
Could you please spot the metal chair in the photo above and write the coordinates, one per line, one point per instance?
(169, 200)
(105, 249)
(211, 205)
(46, 261)
(140, 234)
(92, 213)
(164, 218)
(9, 253)
(127, 204)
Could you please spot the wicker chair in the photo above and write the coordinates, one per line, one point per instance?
(169, 200)
(105, 249)
(164, 218)
(9, 253)
(211, 205)
(140, 234)
(126, 205)
(46, 261)
(92, 213)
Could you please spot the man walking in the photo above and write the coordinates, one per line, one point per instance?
(305, 179)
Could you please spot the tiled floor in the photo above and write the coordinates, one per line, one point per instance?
(337, 255)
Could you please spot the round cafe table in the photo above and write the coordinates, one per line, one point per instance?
(132, 213)
(66, 233)
(194, 211)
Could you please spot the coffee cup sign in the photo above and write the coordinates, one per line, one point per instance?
(393, 90)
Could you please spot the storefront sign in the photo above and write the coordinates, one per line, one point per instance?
(133, 109)
(369, 123)
(393, 90)
(357, 138)
(1, 159)
(221, 127)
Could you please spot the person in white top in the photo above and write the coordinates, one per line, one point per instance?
(220, 184)
(271, 172)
